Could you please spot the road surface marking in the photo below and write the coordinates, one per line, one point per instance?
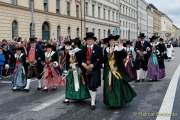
(9, 82)
(166, 108)
(48, 103)
(5, 82)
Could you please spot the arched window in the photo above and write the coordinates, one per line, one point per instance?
(69, 31)
(58, 32)
(77, 32)
(45, 31)
(14, 29)
(109, 32)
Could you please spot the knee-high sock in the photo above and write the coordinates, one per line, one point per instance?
(93, 97)
(28, 84)
(66, 100)
(39, 84)
(138, 74)
(144, 74)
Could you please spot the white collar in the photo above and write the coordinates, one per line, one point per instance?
(18, 56)
(116, 48)
(73, 51)
(49, 54)
(90, 46)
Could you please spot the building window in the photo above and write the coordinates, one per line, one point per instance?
(109, 32)
(104, 13)
(93, 30)
(45, 31)
(113, 15)
(14, 29)
(77, 11)
(46, 5)
(68, 9)
(117, 17)
(93, 10)
(87, 30)
(77, 32)
(31, 4)
(99, 34)
(14, 2)
(58, 6)
(109, 14)
(58, 32)
(69, 31)
(104, 33)
(86, 8)
(99, 12)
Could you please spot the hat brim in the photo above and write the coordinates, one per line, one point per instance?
(87, 38)
(49, 46)
(106, 40)
(19, 48)
(67, 42)
(141, 36)
(113, 37)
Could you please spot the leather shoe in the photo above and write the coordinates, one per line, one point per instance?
(93, 107)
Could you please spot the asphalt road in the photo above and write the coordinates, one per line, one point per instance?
(37, 105)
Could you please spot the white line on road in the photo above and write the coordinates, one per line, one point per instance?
(48, 103)
(165, 111)
(9, 82)
(5, 82)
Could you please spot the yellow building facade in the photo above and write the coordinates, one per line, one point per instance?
(50, 19)
(156, 21)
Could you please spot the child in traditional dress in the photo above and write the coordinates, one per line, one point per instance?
(51, 77)
(19, 75)
(130, 66)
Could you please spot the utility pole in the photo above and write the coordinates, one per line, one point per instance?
(120, 19)
(81, 18)
(83, 15)
(85, 18)
(137, 17)
(147, 9)
(32, 19)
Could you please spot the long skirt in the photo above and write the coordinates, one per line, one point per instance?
(73, 94)
(19, 77)
(131, 71)
(154, 71)
(119, 93)
(51, 78)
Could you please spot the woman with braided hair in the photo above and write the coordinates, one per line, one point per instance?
(117, 91)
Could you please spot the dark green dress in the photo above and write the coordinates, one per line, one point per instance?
(120, 92)
(71, 93)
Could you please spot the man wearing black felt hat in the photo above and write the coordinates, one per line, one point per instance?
(92, 60)
(142, 49)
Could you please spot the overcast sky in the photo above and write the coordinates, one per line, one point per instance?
(169, 7)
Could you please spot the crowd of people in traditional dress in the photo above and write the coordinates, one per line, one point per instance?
(81, 66)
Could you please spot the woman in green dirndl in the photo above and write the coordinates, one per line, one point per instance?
(117, 91)
(76, 88)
